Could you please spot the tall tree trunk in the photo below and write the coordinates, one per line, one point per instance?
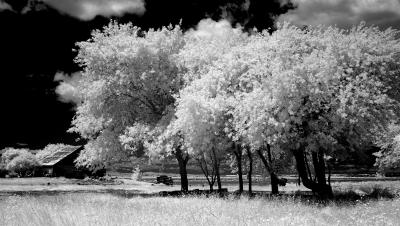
(216, 168)
(274, 177)
(274, 184)
(329, 175)
(319, 186)
(238, 154)
(307, 166)
(218, 178)
(319, 166)
(182, 162)
(302, 170)
(250, 157)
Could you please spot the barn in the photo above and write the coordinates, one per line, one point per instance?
(60, 163)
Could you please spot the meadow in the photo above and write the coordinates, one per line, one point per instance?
(61, 201)
(107, 209)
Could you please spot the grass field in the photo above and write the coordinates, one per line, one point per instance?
(61, 201)
(106, 209)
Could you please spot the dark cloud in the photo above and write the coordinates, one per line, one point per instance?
(13, 5)
(249, 13)
(345, 13)
(89, 9)
(81, 9)
(4, 6)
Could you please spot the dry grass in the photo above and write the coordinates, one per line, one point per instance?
(104, 209)
(368, 186)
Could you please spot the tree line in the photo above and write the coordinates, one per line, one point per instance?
(314, 93)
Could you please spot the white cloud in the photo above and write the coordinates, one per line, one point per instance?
(345, 13)
(209, 28)
(67, 90)
(88, 9)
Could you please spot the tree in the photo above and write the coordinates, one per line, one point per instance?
(207, 166)
(255, 123)
(250, 170)
(316, 93)
(202, 109)
(201, 126)
(327, 91)
(224, 68)
(388, 157)
(160, 142)
(249, 102)
(238, 152)
(130, 78)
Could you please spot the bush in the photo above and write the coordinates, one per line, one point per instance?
(137, 174)
(10, 153)
(19, 161)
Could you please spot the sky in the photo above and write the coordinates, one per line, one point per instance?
(38, 37)
(345, 13)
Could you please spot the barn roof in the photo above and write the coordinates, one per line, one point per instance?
(58, 155)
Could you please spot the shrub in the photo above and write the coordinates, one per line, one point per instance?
(137, 174)
(20, 161)
(10, 153)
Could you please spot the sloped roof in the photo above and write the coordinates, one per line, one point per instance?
(58, 155)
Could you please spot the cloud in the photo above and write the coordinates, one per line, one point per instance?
(209, 28)
(345, 13)
(4, 6)
(88, 9)
(229, 10)
(67, 90)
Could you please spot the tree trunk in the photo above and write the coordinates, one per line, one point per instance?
(218, 178)
(250, 169)
(210, 178)
(319, 166)
(274, 177)
(301, 169)
(307, 166)
(329, 175)
(319, 186)
(216, 168)
(182, 161)
(274, 184)
(238, 154)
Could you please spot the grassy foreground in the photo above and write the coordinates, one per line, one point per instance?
(105, 209)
